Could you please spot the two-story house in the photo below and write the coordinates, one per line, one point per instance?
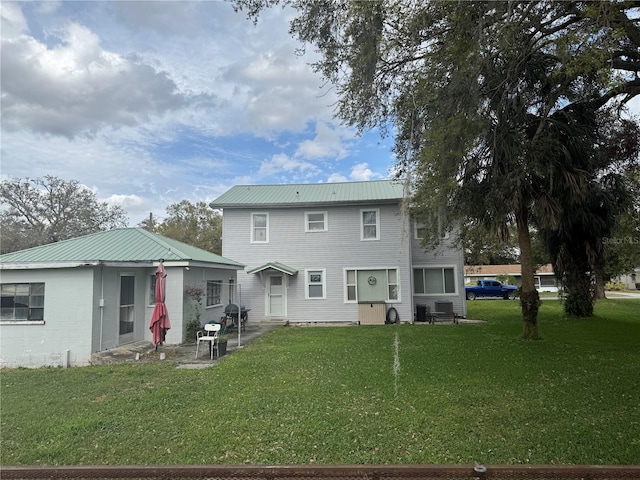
(326, 252)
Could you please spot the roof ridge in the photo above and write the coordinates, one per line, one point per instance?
(159, 239)
(67, 240)
(315, 184)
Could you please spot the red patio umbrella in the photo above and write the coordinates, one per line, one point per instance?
(160, 318)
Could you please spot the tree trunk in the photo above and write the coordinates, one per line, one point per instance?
(599, 293)
(529, 298)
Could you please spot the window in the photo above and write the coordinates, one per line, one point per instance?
(392, 286)
(548, 282)
(152, 290)
(370, 227)
(420, 231)
(352, 294)
(315, 284)
(315, 222)
(259, 228)
(434, 281)
(214, 290)
(22, 302)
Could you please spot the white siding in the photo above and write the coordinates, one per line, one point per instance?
(445, 255)
(67, 315)
(333, 250)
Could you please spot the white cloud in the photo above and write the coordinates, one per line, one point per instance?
(336, 178)
(125, 201)
(361, 172)
(283, 163)
(13, 22)
(328, 143)
(76, 87)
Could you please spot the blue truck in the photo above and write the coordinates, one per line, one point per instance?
(491, 288)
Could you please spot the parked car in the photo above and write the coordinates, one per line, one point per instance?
(491, 288)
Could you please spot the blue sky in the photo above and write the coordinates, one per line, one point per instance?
(149, 103)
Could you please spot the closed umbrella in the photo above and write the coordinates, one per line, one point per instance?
(160, 318)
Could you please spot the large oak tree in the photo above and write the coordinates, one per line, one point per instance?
(487, 99)
(37, 211)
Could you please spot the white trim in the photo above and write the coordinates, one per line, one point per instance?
(325, 222)
(26, 322)
(358, 269)
(252, 232)
(308, 283)
(206, 291)
(377, 210)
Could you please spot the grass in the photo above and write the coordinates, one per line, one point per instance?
(465, 393)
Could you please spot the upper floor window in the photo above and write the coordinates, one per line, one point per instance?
(434, 280)
(420, 231)
(214, 291)
(22, 302)
(315, 287)
(315, 222)
(259, 227)
(370, 224)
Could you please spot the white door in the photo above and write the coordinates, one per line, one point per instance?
(276, 296)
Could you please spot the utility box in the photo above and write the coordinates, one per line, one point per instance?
(421, 313)
(372, 313)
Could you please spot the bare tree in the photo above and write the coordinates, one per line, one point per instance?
(37, 211)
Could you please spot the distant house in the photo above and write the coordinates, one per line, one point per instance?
(630, 280)
(545, 279)
(63, 301)
(335, 252)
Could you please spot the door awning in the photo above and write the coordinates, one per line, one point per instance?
(281, 267)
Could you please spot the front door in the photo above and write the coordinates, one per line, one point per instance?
(127, 308)
(276, 296)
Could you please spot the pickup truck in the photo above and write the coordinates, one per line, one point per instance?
(490, 288)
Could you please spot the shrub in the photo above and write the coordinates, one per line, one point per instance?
(192, 330)
(615, 286)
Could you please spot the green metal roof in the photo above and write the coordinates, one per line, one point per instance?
(381, 191)
(281, 267)
(118, 245)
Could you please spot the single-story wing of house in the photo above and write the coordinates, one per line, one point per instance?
(545, 280)
(63, 301)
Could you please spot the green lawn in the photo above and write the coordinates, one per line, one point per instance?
(462, 394)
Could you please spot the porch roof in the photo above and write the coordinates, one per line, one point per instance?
(281, 267)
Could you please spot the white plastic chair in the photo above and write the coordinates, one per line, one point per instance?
(210, 335)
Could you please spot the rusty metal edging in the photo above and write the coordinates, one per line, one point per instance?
(369, 472)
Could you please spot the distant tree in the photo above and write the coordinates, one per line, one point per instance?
(481, 246)
(37, 211)
(196, 224)
(150, 224)
(576, 236)
(622, 247)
